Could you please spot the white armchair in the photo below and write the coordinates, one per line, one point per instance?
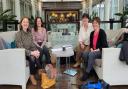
(13, 69)
(112, 70)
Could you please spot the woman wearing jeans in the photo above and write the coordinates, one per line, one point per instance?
(98, 40)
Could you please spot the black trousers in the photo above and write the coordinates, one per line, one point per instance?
(124, 52)
(44, 52)
(34, 64)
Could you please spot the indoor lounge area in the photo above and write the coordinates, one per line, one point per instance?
(63, 44)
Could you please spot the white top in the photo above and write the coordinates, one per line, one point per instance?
(84, 35)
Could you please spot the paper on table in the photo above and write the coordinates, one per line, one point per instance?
(56, 49)
(67, 46)
(60, 48)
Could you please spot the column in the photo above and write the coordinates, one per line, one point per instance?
(40, 8)
(121, 5)
(17, 9)
(90, 7)
(119, 10)
(107, 10)
(107, 5)
(33, 8)
(4, 3)
(43, 14)
(84, 6)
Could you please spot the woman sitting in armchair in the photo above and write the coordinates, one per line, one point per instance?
(24, 39)
(98, 40)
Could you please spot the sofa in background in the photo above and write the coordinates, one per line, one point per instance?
(113, 36)
(13, 69)
(110, 68)
(57, 39)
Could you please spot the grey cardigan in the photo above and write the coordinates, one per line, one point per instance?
(25, 40)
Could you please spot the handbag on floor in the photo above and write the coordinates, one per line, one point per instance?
(46, 82)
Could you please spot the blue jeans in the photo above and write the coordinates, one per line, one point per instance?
(90, 57)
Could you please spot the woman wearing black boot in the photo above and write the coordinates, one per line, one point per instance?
(98, 40)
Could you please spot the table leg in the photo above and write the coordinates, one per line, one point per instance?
(69, 62)
(69, 70)
(58, 68)
(66, 63)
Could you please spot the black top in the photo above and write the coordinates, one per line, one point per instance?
(101, 41)
(125, 37)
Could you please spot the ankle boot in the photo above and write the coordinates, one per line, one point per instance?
(33, 80)
(84, 77)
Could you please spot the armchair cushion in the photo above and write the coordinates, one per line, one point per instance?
(8, 45)
(2, 44)
(13, 44)
(98, 62)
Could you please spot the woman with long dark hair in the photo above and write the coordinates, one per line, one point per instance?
(40, 37)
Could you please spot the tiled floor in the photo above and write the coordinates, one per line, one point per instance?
(65, 82)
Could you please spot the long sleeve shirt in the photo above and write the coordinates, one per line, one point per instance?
(84, 35)
(39, 36)
(25, 40)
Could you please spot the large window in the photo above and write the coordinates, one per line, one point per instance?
(26, 8)
(99, 10)
(114, 9)
(22, 9)
(126, 3)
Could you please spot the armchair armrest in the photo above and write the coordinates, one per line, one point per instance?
(114, 71)
(12, 65)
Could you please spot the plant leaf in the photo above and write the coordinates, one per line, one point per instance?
(119, 14)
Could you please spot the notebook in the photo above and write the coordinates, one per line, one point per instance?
(71, 72)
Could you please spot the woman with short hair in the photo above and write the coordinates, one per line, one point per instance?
(98, 40)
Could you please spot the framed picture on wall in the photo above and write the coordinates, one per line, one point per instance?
(62, 15)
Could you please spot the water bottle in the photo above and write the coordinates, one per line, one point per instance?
(48, 72)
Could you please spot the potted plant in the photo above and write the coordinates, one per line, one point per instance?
(31, 19)
(6, 17)
(94, 14)
(123, 16)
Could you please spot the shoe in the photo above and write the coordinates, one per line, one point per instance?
(84, 77)
(76, 65)
(33, 80)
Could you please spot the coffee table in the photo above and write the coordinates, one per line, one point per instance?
(68, 52)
